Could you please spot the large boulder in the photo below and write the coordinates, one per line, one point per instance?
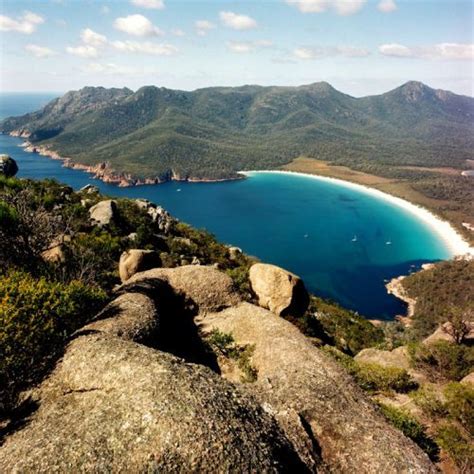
(205, 287)
(397, 358)
(103, 213)
(8, 166)
(321, 409)
(278, 290)
(112, 405)
(137, 260)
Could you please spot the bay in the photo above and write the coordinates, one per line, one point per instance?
(344, 243)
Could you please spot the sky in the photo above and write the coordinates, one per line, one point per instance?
(361, 47)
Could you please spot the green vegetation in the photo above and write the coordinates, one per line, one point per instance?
(442, 360)
(36, 318)
(332, 324)
(374, 378)
(224, 345)
(214, 132)
(459, 447)
(411, 428)
(460, 404)
(446, 288)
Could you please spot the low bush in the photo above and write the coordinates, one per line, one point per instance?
(460, 404)
(442, 360)
(411, 428)
(350, 332)
(430, 402)
(459, 448)
(223, 344)
(377, 378)
(36, 317)
(374, 377)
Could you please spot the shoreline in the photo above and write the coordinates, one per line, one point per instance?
(453, 240)
(103, 171)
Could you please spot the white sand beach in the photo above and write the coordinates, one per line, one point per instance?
(454, 241)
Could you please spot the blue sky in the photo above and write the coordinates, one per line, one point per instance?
(361, 47)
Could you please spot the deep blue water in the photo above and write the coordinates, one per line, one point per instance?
(301, 224)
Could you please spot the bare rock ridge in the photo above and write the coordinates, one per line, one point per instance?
(126, 397)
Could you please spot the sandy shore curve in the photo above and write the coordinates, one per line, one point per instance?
(454, 241)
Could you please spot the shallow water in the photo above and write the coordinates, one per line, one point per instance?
(344, 243)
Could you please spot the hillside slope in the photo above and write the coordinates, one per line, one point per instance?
(212, 133)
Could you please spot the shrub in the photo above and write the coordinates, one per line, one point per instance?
(377, 378)
(442, 360)
(459, 448)
(411, 428)
(351, 333)
(460, 404)
(374, 377)
(36, 317)
(224, 344)
(429, 401)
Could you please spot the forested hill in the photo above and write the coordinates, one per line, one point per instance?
(214, 132)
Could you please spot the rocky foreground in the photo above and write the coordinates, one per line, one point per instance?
(138, 389)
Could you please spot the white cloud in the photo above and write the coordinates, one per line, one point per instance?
(178, 32)
(26, 24)
(203, 27)
(456, 51)
(108, 68)
(151, 4)
(105, 10)
(318, 52)
(341, 7)
(387, 6)
(157, 49)
(39, 51)
(83, 51)
(237, 47)
(248, 46)
(307, 53)
(236, 21)
(137, 25)
(92, 38)
(395, 49)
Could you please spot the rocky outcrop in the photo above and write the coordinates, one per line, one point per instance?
(443, 333)
(8, 166)
(322, 411)
(159, 215)
(278, 290)
(117, 406)
(205, 288)
(103, 213)
(397, 358)
(137, 260)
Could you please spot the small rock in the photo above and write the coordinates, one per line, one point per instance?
(442, 334)
(195, 261)
(278, 290)
(136, 260)
(234, 252)
(8, 166)
(54, 254)
(103, 213)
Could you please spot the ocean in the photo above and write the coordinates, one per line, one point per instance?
(345, 244)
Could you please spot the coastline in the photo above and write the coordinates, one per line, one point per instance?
(455, 242)
(104, 172)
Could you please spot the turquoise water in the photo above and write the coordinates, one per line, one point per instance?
(333, 237)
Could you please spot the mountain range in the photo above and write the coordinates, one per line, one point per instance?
(158, 133)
